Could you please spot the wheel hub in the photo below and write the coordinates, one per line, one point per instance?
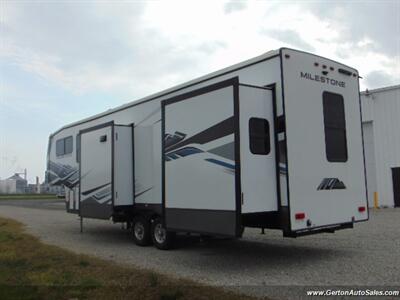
(139, 231)
(160, 233)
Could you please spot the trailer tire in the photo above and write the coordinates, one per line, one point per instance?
(141, 231)
(162, 238)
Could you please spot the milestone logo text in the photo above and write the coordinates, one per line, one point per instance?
(322, 79)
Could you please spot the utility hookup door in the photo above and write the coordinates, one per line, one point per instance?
(201, 172)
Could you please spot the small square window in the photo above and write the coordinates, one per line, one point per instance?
(64, 146)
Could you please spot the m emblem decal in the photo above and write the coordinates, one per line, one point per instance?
(331, 184)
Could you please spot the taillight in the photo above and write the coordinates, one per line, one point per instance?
(361, 208)
(300, 216)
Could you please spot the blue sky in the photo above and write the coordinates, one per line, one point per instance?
(63, 61)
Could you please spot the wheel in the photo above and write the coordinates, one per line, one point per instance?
(141, 231)
(162, 238)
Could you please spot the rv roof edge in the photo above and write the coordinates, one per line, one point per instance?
(237, 66)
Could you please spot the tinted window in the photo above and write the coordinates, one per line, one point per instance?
(259, 136)
(335, 127)
(68, 143)
(64, 146)
(78, 148)
(60, 147)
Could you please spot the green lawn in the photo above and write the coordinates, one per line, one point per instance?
(26, 196)
(30, 269)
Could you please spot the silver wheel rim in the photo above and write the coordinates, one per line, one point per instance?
(160, 233)
(139, 231)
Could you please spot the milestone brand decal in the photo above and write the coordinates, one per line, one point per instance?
(322, 79)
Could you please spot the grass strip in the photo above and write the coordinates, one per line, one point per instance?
(30, 269)
(27, 196)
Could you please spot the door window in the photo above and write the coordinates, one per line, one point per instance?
(259, 136)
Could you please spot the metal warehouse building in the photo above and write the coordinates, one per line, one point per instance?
(381, 125)
(14, 184)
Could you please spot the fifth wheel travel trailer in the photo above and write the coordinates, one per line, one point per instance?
(272, 142)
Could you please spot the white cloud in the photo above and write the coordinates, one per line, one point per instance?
(131, 49)
(136, 48)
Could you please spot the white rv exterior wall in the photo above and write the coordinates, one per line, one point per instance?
(381, 124)
(146, 115)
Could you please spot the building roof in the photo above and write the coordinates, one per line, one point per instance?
(379, 90)
(16, 177)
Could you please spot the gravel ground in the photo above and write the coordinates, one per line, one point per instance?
(261, 265)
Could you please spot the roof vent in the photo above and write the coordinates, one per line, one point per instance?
(345, 72)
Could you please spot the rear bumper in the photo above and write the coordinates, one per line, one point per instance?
(322, 229)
